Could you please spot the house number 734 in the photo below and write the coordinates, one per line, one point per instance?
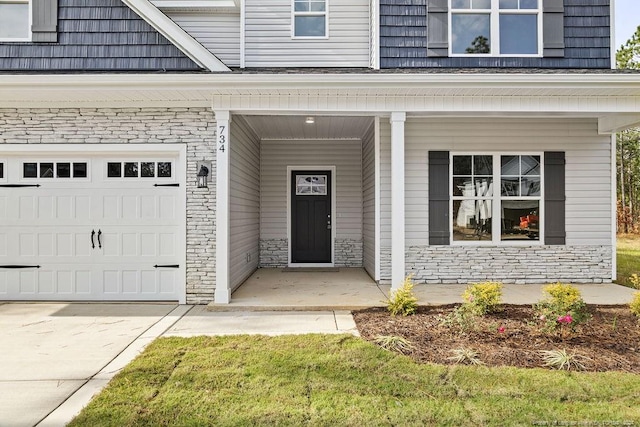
(223, 135)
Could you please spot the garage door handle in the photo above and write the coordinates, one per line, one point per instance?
(19, 185)
(167, 266)
(19, 266)
(93, 233)
(99, 242)
(166, 185)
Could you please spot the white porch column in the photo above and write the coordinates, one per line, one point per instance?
(223, 287)
(397, 199)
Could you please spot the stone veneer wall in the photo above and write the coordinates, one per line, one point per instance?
(508, 264)
(348, 253)
(274, 253)
(194, 127)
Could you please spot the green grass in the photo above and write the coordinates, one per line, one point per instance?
(628, 253)
(340, 380)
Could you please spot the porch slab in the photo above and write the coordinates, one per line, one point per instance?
(274, 289)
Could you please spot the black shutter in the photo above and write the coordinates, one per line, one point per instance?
(44, 27)
(437, 28)
(553, 28)
(439, 198)
(554, 198)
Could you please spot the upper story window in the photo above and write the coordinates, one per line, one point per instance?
(310, 18)
(496, 198)
(15, 20)
(496, 27)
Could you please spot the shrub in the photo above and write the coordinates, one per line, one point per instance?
(563, 308)
(483, 298)
(465, 356)
(635, 281)
(394, 343)
(403, 301)
(635, 304)
(561, 360)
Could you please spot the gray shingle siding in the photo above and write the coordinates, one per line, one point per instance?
(97, 35)
(403, 39)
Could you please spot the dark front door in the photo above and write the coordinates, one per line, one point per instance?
(311, 217)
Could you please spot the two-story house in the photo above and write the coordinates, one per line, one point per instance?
(166, 149)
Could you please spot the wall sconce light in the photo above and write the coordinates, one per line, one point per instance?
(203, 175)
(310, 120)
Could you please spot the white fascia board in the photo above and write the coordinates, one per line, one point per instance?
(195, 4)
(176, 35)
(379, 92)
(375, 81)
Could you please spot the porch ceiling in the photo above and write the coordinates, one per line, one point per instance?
(295, 127)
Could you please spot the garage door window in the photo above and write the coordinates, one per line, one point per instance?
(54, 170)
(139, 169)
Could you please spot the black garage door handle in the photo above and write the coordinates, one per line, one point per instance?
(167, 266)
(19, 266)
(19, 185)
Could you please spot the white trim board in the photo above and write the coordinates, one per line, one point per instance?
(334, 220)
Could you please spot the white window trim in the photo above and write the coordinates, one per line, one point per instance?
(494, 14)
(30, 36)
(496, 214)
(293, 22)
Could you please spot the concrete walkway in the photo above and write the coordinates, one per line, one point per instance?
(56, 356)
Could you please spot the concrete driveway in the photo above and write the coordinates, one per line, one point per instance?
(48, 351)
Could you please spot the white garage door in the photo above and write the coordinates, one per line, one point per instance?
(91, 227)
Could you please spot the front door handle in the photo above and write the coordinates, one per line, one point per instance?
(99, 242)
(93, 233)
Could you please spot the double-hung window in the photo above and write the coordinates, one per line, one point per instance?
(496, 27)
(496, 197)
(310, 18)
(15, 20)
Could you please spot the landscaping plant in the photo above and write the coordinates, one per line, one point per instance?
(394, 343)
(562, 309)
(403, 301)
(465, 356)
(635, 304)
(483, 298)
(561, 360)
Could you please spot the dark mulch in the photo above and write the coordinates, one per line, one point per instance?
(611, 338)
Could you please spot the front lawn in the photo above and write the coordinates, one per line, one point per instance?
(342, 380)
(628, 258)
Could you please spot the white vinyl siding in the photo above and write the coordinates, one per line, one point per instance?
(220, 33)
(268, 40)
(588, 172)
(368, 206)
(245, 202)
(345, 155)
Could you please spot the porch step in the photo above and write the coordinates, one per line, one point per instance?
(311, 307)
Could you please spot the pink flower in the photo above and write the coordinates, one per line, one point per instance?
(501, 329)
(565, 319)
(543, 317)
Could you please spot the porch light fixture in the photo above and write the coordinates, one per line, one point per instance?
(310, 120)
(203, 175)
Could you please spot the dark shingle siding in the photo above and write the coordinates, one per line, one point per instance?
(97, 35)
(403, 39)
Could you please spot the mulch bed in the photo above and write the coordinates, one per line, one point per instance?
(610, 339)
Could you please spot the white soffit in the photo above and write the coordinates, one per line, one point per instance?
(176, 35)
